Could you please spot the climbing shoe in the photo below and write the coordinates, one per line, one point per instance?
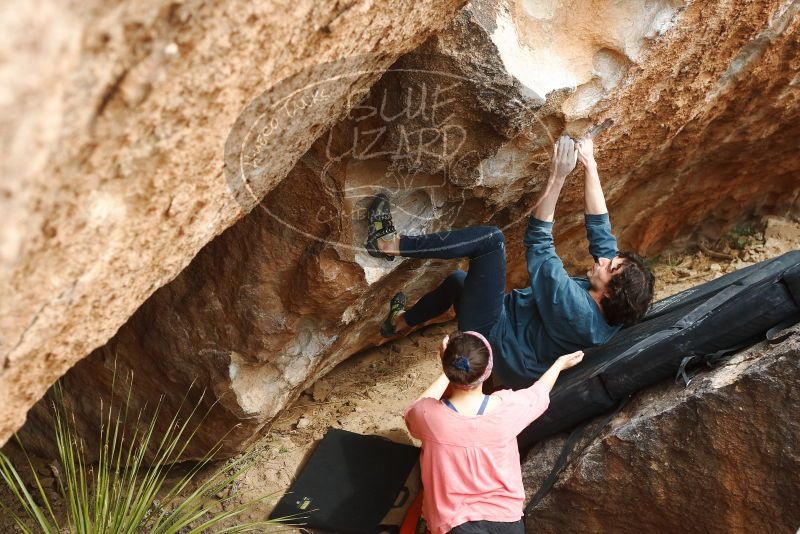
(379, 221)
(396, 305)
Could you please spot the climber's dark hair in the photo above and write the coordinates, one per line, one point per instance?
(629, 293)
(473, 350)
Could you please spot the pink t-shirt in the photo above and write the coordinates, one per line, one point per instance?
(470, 463)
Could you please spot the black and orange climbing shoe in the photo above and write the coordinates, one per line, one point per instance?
(396, 305)
(379, 221)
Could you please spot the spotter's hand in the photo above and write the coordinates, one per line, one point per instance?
(570, 360)
(443, 347)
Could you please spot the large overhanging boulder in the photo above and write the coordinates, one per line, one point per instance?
(703, 99)
(722, 455)
(114, 120)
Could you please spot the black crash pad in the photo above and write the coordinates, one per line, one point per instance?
(349, 483)
(708, 320)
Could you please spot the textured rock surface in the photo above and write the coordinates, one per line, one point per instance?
(723, 455)
(114, 119)
(704, 99)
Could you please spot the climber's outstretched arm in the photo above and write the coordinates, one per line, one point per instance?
(593, 192)
(564, 160)
(602, 243)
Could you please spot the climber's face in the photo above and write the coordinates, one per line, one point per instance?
(603, 271)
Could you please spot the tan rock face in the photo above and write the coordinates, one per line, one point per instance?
(705, 107)
(720, 456)
(114, 120)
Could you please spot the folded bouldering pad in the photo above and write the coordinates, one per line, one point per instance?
(349, 483)
(695, 326)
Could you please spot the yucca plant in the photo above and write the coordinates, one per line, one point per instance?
(127, 490)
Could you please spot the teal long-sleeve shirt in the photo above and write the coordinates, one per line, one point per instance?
(555, 315)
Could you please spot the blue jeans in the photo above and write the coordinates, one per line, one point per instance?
(477, 295)
(489, 527)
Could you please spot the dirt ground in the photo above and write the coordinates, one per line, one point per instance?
(368, 392)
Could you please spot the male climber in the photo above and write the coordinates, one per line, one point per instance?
(557, 314)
